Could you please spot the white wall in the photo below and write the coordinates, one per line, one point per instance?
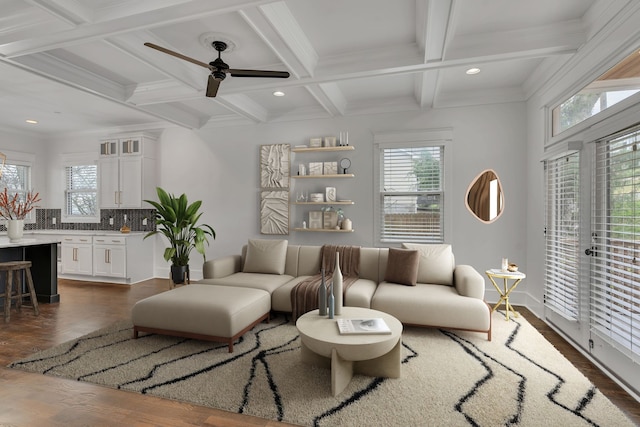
(221, 167)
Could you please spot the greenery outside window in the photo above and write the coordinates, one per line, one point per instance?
(411, 192)
(617, 84)
(81, 194)
(16, 178)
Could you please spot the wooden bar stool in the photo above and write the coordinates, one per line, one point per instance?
(13, 269)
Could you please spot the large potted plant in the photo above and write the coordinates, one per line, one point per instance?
(177, 220)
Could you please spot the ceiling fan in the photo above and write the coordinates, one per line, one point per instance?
(218, 67)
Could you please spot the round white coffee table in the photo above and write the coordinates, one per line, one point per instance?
(376, 355)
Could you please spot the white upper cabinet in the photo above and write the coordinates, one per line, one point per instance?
(127, 177)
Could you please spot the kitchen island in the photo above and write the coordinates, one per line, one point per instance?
(43, 254)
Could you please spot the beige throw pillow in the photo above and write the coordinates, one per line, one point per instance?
(436, 263)
(265, 256)
(402, 267)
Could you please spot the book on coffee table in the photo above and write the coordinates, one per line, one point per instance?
(374, 325)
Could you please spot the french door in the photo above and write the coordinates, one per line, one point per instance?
(614, 303)
(592, 253)
(564, 263)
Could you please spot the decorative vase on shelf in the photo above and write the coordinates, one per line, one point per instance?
(15, 229)
(337, 285)
(322, 297)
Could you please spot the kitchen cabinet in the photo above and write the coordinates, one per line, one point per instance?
(77, 255)
(109, 256)
(127, 177)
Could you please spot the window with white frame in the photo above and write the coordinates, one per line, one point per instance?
(80, 188)
(16, 179)
(617, 84)
(411, 191)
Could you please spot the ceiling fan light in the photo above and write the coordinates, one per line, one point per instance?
(473, 70)
(278, 93)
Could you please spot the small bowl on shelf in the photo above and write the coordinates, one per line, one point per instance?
(512, 268)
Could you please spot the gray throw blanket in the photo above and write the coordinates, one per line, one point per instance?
(304, 296)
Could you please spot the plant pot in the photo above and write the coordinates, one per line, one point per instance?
(15, 229)
(180, 273)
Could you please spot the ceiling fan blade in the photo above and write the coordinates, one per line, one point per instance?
(212, 86)
(257, 73)
(177, 55)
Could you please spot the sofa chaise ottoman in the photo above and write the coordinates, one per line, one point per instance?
(439, 293)
(204, 312)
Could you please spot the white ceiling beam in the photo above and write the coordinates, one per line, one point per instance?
(175, 115)
(159, 92)
(195, 9)
(69, 11)
(184, 72)
(330, 97)
(277, 27)
(432, 24)
(49, 66)
(244, 106)
(547, 40)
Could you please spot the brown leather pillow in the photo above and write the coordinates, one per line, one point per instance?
(402, 266)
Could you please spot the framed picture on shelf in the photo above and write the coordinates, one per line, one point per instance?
(330, 168)
(330, 219)
(315, 168)
(315, 219)
(315, 142)
(330, 194)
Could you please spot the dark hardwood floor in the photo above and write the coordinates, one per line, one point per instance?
(28, 399)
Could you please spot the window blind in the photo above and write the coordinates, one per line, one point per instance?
(562, 248)
(615, 263)
(411, 194)
(81, 190)
(16, 179)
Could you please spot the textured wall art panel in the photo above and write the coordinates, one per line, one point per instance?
(274, 212)
(275, 165)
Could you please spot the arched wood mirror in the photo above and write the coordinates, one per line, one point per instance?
(485, 199)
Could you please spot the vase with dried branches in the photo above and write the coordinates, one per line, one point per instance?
(15, 209)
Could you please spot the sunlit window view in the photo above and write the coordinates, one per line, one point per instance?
(617, 84)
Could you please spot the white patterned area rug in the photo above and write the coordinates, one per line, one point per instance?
(448, 378)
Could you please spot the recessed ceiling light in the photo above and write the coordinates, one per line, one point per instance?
(31, 121)
(473, 71)
(278, 93)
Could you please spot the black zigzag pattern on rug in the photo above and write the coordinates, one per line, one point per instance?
(584, 401)
(354, 398)
(206, 368)
(71, 349)
(478, 354)
(261, 358)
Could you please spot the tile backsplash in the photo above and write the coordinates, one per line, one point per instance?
(44, 220)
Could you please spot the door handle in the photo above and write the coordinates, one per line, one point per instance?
(592, 251)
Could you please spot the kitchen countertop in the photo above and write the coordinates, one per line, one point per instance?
(27, 241)
(39, 237)
(84, 233)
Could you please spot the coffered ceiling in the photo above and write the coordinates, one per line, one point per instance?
(78, 65)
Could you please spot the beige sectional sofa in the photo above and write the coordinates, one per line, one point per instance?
(445, 295)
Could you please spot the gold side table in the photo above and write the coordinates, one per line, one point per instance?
(504, 292)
